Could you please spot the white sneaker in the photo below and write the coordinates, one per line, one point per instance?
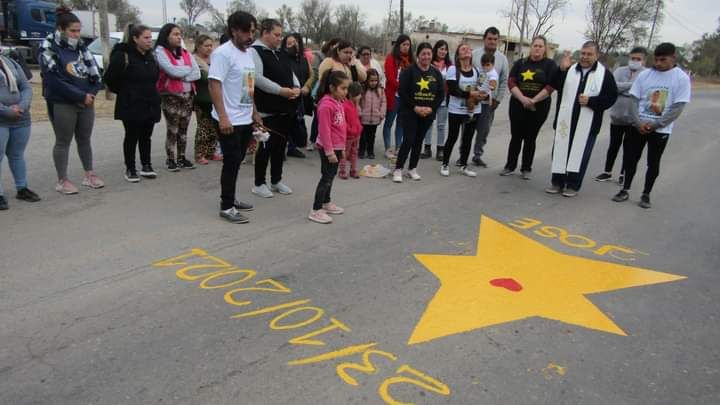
(262, 191)
(468, 172)
(397, 176)
(413, 174)
(281, 188)
(444, 171)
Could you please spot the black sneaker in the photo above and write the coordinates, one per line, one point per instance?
(232, 215)
(241, 206)
(479, 162)
(184, 163)
(148, 172)
(645, 201)
(3, 203)
(131, 176)
(621, 196)
(371, 156)
(458, 163)
(603, 177)
(506, 172)
(172, 166)
(296, 153)
(28, 195)
(361, 155)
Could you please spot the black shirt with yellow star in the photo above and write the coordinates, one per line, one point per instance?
(532, 76)
(421, 89)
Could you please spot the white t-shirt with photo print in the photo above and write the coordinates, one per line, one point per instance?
(657, 91)
(235, 69)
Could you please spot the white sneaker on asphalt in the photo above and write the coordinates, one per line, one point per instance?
(281, 188)
(413, 174)
(468, 172)
(320, 216)
(262, 191)
(397, 176)
(444, 170)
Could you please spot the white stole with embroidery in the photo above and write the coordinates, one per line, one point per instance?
(568, 158)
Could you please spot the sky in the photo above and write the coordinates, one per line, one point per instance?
(685, 20)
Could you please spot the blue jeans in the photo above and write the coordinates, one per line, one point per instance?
(12, 143)
(387, 127)
(440, 124)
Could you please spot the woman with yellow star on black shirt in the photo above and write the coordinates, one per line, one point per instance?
(531, 83)
(421, 91)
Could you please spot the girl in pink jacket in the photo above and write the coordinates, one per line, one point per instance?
(332, 136)
(372, 112)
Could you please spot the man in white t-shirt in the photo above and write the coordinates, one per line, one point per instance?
(661, 93)
(232, 86)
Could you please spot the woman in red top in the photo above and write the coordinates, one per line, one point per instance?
(398, 60)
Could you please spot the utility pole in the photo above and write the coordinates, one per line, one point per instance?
(522, 29)
(652, 30)
(402, 16)
(164, 9)
(104, 36)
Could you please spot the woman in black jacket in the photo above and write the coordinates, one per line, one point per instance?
(293, 45)
(133, 74)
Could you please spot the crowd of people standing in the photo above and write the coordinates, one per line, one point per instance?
(251, 95)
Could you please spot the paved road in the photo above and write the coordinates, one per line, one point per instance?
(281, 311)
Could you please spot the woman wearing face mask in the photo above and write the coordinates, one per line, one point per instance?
(178, 73)
(206, 136)
(70, 82)
(132, 73)
(294, 46)
(397, 61)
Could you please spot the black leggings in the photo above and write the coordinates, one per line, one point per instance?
(414, 130)
(524, 127)
(455, 122)
(273, 151)
(137, 133)
(367, 140)
(632, 151)
(328, 171)
(617, 134)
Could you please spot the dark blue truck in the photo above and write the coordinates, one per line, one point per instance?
(24, 24)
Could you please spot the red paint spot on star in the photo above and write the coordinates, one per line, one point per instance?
(507, 283)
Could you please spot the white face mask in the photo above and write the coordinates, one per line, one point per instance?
(634, 65)
(73, 42)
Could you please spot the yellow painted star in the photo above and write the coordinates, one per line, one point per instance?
(528, 75)
(513, 277)
(424, 84)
